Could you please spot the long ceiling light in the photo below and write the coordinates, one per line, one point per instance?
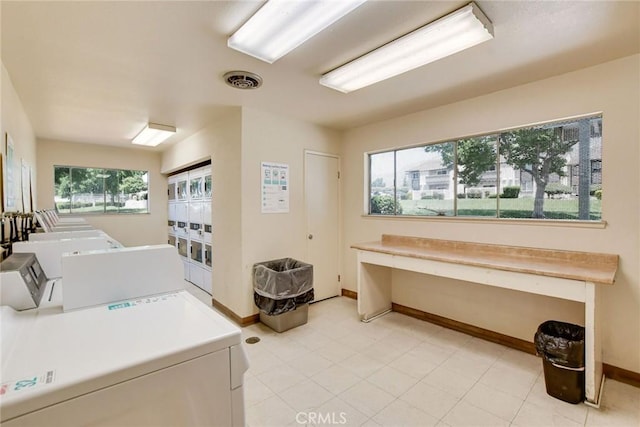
(280, 26)
(462, 29)
(153, 134)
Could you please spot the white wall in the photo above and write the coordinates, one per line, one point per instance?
(14, 121)
(270, 138)
(612, 88)
(128, 229)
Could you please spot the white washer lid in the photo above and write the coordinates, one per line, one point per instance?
(86, 350)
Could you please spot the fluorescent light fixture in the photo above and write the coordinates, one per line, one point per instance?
(280, 26)
(462, 29)
(153, 134)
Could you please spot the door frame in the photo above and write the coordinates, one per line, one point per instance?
(306, 212)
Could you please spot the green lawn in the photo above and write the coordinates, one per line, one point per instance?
(509, 208)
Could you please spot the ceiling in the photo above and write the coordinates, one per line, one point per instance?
(96, 72)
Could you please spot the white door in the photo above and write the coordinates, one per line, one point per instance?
(322, 203)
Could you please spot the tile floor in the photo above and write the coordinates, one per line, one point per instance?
(399, 371)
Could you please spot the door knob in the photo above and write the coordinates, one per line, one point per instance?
(310, 236)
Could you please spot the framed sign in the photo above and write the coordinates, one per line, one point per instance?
(24, 187)
(275, 187)
(9, 187)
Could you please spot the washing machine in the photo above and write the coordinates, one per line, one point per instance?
(164, 359)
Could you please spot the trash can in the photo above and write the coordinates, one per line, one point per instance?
(282, 289)
(561, 346)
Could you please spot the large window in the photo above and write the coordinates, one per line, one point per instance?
(92, 190)
(549, 171)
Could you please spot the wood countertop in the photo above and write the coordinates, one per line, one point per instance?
(584, 266)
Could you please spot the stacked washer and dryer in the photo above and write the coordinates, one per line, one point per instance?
(190, 223)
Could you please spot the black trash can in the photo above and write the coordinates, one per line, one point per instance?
(561, 346)
(282, 289)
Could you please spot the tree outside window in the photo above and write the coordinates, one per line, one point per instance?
(94, 190)
(551, 171)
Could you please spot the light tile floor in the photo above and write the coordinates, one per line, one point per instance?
(399, 371)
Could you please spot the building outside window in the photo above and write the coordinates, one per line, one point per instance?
(534, 172)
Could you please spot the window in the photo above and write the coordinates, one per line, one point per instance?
(548, 171)
(91, 190)
(433, 198)
(415, 180)
(596, 171)
(382, 186)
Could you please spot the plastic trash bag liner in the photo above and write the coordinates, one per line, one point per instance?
(561, 343)
(281, 285)
(273, 307)
(282, 278)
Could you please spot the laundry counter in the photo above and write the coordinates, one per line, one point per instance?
(571, 275)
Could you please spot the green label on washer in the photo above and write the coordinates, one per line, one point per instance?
(119, 305)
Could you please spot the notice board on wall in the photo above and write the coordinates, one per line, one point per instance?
(275, 187)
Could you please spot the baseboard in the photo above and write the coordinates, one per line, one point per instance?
(242, 321)
(485, 334)
(613, 372)
(622, 375)
(349, 294)
(250, 320)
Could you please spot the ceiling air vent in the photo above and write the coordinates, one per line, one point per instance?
(243, 80)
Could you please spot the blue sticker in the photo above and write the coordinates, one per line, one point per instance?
(120, 305)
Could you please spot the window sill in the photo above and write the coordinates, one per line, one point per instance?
(90, 214)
